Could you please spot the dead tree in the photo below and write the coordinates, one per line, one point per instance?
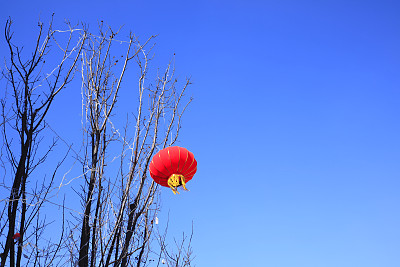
(27, 99)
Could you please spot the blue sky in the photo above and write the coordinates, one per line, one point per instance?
(295, 123)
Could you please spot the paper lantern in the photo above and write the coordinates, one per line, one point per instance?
(16, 237)
(173, 167)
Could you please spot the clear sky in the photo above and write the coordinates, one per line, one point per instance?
(295, 123)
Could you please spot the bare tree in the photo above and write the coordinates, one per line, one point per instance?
(181, 256)
(27, 100)
(124, 233)
(117, 223)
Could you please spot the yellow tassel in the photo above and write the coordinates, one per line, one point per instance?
(176, 180)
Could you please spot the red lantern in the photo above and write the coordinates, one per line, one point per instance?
(173, 167)
(16, 237)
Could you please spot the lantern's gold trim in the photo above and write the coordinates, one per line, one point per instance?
(176, 180)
